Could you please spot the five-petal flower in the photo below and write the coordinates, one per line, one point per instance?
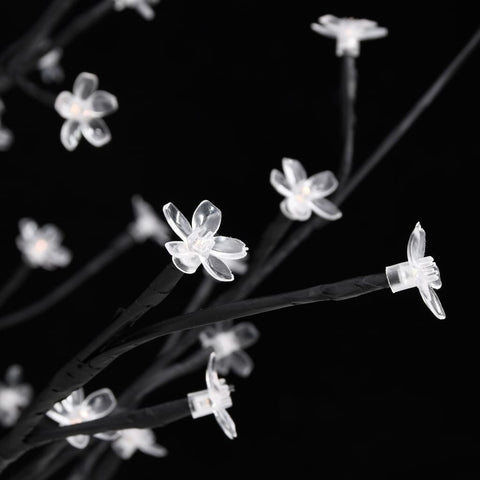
(305, 195)
(348, 32)
(147, 224)
(419, 271)
(229, 345)
(14, 396)
(199, 245)
(41, 246)
(215, 399)
(133, 439)
(77, 409)
(83, 111)
(143, 7)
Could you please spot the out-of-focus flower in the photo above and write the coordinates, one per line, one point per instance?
(305, 195)
(216, 399)
(143, 7)
(348, 32)
(147, 224)
(229, 346)
(133, 439)
(6, 136)
(14, 396)
(420, 271)
(50, 68)
(199, 245)
(78, 409)
(83, 111)
(41, 246)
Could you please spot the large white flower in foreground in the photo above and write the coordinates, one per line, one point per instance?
(78, 409)
(305, 195)
(199, 245)
(83, 110)
(133, 439)
(14, 396)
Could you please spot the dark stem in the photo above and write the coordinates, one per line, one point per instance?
(84, 468)
(106, 468)
(18, 278)
(119, 245)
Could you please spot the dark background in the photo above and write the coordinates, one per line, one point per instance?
(212, 95)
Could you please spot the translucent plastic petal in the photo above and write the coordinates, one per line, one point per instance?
(85, 84)
(63, 104)
(178, 223)
(229, 248)
(99, 404)
(223, 365)
(70, 134)
(211, 377)
(57, 417)
(96, 132)
(28, 228)
(226, 423)
(177, 248)
(322, 30)
(145, 10)
(107, 436)
(102, 103)
(207, 215)
(416, 244)
(60, 257)
(79, 441)
(432, 301)
(217, 269)
(294, 171)
(154, 450)
(76, 397)
(241, 363)
(325, 208)
(124, 449)
(293, 211)
(51, 233)
(247, 334)
(187, 264)
(374, 33)
(13, 375)
(279, 183)
(322, 184)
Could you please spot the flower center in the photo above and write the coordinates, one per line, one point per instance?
(201, 242)
(40, 246)
(302, 192)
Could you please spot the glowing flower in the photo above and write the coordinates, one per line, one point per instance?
(78, 409)
(6, 136)
(41, 246)
(147, 223)
(14, 396)
(229, 346)
(348, 32)
(83, 111)
(216, 399)
(420, 271)
(143, 7)
(50, 68)
(133, 439)
(199, 244)
(305, 195)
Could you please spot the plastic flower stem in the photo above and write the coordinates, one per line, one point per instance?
(86, 466)
(118, 246)
(107, 468)
(150, 417)
(18, 278)
(58, 463)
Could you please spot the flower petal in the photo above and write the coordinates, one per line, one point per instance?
(294, 210)
(241, 363)
(177, 221)
(217, 269)
(63, 104)
(208, 216)
(57, 417)
(325, 208)
(294, 171)
(177, 248)
(59, 257)
(85, 84)
(79, 441)
(226, 423)
(247, 334)
(187, 264)
(98, 404)
(229, 248)
(102, 103)
(432, 301)
(96, 132)
(70, 134)
(279, 183)
(322, 184)
(372, 33)
(28, 228)
(416, 244)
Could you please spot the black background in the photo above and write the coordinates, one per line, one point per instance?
(212, 95)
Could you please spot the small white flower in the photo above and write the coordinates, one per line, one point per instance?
(305, 195)
(229, 345)
(420, 271)
(41, 246)
(147, 223)
(133, 439)
(199, 245)
(14, 396)
(143, 7)
(83, 111)
(216, 399)
(348, 32)
(50, 68)
(6, 136)
(78, 409)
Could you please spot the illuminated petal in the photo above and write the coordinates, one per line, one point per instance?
(325, 208)
(241, 363)
(226, 423)
(294, 171)
(322, 184)
(217, 269)
(63, 104)
(208, 216)
(279, 183)
(178, 223)
(295, 210)
(247, 334)
(102, 103)
(96, 132)
(229, 248)
(187, 263)
(416, 244)
(98, 404)
(70, 134)
(431, 300)
(79, 441)
(85, 84)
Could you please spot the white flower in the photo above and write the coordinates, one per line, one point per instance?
(147, 223)
(78, 409)
(305, 195)
(50, 68)
(216, 399)
(133, 439)
(420, 271)
(199, 244)
(143, 7)
(14, 396)
(229, 346)
(6, 136)
(83, 111)
(41, 246)
(348, 32)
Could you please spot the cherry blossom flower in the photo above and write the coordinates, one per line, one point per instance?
(133, 439)
(143, 7)
(14, 396)
(147, 224)
(50, 68)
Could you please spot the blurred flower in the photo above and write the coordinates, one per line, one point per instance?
(50, 68)
(41, 246)
(304, 195)
(14, 396)
(133, 439)
(199, 245)
(78, 409)
(83, 111)
(143, 7)
(147, 224)
(348, 32)
(6, 136)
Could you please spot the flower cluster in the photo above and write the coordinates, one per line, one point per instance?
(14, 396)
